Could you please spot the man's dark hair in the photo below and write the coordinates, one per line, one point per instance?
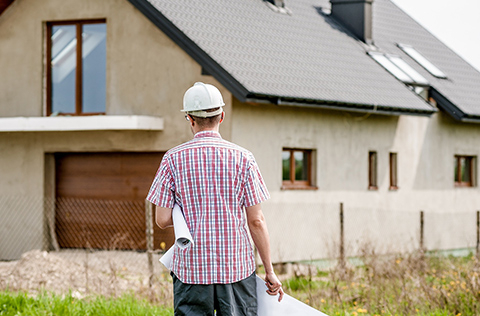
(208, 121)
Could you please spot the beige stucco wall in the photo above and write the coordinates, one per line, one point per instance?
(305, 224)
(147, 74)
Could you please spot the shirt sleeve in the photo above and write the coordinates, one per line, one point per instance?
(162, 190)
(255, 189)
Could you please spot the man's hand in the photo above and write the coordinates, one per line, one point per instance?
(274, 285)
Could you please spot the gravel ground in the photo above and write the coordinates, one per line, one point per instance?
(108, 273)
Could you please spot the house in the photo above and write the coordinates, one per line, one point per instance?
(339, 100)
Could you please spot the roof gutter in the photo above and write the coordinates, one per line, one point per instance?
(341, 106)
(191, 48)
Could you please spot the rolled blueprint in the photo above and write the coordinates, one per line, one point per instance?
(268, 305)
(183, 238)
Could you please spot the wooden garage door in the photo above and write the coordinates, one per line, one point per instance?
(101, 200)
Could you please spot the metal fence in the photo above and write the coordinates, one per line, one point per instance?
(118, 240)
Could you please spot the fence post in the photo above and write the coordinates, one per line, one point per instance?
(342, 239)
(149, 235)
(478, 233)
(422, 249)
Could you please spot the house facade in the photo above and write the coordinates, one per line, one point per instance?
(91, 100)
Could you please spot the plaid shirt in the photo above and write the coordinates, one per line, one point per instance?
(212, 180)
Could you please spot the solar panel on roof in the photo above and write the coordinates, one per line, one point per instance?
(422, 61)
(399, 68)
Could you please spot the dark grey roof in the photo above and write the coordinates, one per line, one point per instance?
(303, 58)
(459, 94)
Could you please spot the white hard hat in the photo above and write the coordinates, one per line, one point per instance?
(202, 97)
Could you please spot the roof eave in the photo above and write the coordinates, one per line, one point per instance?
(343, 106)
(454, 111)
(191, 48)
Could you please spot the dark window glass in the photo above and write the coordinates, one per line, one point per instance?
(464, 170)
(372, 170)
(296, 168)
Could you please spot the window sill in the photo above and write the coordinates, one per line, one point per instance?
(372, 188)
(393, 188)
(81, 123)
(464, 185)
(287, 187)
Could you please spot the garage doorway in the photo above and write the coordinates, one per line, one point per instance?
(100, 200)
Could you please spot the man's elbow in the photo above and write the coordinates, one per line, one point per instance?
(163, 217)
(257, 222)
(162, 223)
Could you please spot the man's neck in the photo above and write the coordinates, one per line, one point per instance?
(205, 129)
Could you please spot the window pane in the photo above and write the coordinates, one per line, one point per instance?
(393, 170)
(286, 165)
(465, 168)
(456, 177)
(372, 168)
(390, 67)
(93, 68)
(301, 168)
(63, 63)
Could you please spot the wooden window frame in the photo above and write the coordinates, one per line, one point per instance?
(393, 158)
(472, 160)
(78, 69)
(372, 170)
(293, 184)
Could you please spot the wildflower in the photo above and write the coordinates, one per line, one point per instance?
(307, 301)
(322, 300)
(362, 310)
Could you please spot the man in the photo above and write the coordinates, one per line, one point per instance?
(216, 183)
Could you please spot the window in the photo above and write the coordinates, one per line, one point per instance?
(465, 171)
(422, 61)
(399, 68)
(297, 169)
(393, 171)
(372, 170)
(76, 72)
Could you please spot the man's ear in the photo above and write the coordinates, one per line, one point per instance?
(223, 117)
(191, 121)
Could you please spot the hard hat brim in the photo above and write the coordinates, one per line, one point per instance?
(204, 113)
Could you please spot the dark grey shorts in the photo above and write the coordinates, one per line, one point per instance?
(235, 299)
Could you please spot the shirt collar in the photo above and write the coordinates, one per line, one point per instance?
(203, 134)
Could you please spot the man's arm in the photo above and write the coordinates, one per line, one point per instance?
(163, 217)
(261, 238)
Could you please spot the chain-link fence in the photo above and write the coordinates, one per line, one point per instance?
(119, 237)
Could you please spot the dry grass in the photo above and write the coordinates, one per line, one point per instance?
(409, 284)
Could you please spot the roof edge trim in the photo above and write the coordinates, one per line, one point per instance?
(191, 48)
(448, 106)
(342, 106)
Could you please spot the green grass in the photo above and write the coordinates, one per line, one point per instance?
(51, 304)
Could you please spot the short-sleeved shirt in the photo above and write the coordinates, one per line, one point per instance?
(212, 180)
